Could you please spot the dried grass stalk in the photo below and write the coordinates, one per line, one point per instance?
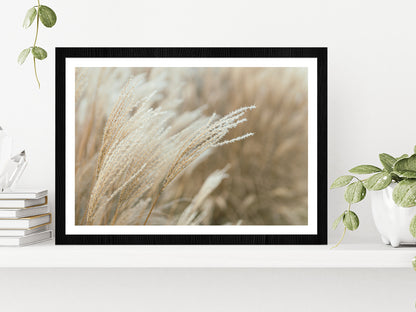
(139, 157)
(148, 149)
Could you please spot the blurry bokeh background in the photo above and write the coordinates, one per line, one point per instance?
(267, 173)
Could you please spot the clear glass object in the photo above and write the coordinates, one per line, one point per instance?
(11, 166)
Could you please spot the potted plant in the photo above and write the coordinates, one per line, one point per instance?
(393, 200)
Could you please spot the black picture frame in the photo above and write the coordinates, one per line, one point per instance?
(314, 52)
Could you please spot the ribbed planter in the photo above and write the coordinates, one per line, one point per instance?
(391, 220)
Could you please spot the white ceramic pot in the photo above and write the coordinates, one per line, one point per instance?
(391, 220)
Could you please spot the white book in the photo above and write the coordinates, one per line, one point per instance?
(15, 213)
(25, 223)
(25, 240)
(22, 203)
(23, 194)
(33, 230)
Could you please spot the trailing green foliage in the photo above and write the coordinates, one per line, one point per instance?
(365, 169)
(400, 170)
(355, 192)
(387, 161)
(342, 181)
(378, 181)
(404, 194)
(23, 56)
(338, 220)
(30, 17)
(351, 221)
(47, 17)
(406, 167)
(39, 53)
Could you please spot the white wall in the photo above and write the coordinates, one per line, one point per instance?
(372, 104)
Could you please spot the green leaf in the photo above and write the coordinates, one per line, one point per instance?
(378, 181)
(406, 174)
(47, 16)
(22, 56)
(406, 167)
(406, 164)
(402, 157)
(342, 181)
(365, 169)
(337, 221)
(351, 221)
(387, 161)
(30, 17)
(414, 150)
(39, 53)
(414, 263)
(404, 194)
(395, 177)
(412, 227)
(355, 192)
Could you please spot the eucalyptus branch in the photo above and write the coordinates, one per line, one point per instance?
(45, 15)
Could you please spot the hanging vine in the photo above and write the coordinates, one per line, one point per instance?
(45, 15)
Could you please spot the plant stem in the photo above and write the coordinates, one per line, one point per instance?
(343, 233)
(342, 238)
(162, 188)
(34, 44)
(113, 221)
(151, 209)
(36, 74)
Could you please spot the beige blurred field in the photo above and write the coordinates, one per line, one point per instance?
(150, 151)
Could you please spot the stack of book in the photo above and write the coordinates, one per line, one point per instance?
(24, 217)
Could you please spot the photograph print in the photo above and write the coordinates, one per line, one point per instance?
(191, 146)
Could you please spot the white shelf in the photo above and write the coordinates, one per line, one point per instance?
(47, 255)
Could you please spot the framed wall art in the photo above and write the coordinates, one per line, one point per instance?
(191, 145)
